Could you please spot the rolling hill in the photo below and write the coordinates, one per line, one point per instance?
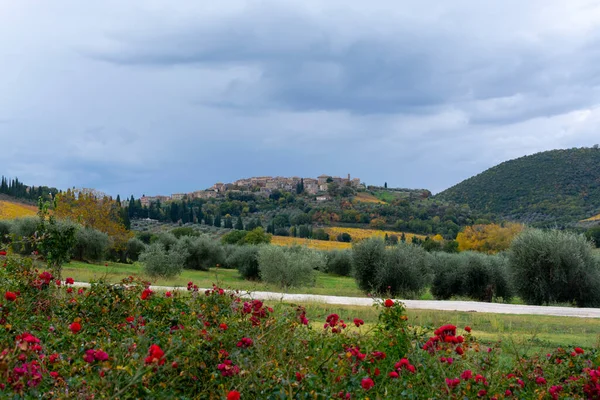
(10, 210)
(557, 187)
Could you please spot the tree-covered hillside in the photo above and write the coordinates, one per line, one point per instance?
(557, 187)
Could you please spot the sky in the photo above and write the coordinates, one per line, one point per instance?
(166, 96)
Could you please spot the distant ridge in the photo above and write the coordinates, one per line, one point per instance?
(557, 187)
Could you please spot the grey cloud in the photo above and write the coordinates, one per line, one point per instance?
(307, 64)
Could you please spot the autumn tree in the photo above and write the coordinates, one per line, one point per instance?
(93, 209)
(489, 238)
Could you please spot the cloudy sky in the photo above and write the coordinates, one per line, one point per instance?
(155, 97)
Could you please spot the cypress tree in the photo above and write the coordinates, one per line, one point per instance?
(239, 224)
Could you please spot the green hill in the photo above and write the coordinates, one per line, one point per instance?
(557, 187)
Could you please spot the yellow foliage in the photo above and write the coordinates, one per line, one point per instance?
(591, 219)
(359, 234)
(10, 210)
(438, 238)
(313, 244)
(490, 238)
(95, 210)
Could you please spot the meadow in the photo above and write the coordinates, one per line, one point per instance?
(310, 243)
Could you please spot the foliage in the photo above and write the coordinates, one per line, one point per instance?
(477, 276)
(234, 237)
(548, 188)
(368, 257)
(257, 236)
(159, 262)
(358, 234)
(245, 259)
(184, 231)
(593, 234)
(91, 245)
(55, 240)
(22, 232)
(555, 266)
(344, 237)
(135, 247)
(131, 342)
(201, 253)
(490, 238)
(289, 267)
(167, 239)
(5, 228)
(339, 262)
(402, 272)
(93, 210)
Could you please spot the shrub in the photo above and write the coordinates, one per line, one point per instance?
(257, 236)
(403, 272)
(159, 262)
(184, 231)
(367, 258)
(201, 252)
(5, 228)
(91, 245)
(554, 266)
(134, 248)
(339, 262)
(289, 266)
(167, 239)
(234, 237)
(145, 237)
(23, 230)
(344, 237)
(447, 280)
(320, 234)
(593, 234)
(245, 259)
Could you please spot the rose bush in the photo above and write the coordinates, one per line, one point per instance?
(126, 341)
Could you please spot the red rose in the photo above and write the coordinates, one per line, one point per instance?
(579, 350)
(146, 293)
(367, 383)
(358, 322)
(468, 329)
(155, 355)
(233, 395)
(10, 296)
(69, 281)
(393, 375)
(75, 327)
(223, 326)
(389, 303)
(2, 253)
(168, 294)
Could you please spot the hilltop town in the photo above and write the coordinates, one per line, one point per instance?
(262, 185)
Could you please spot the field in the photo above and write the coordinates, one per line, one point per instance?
(10, 210)
(359, 234)
(363, 197)
(229, 278)
(312, 244)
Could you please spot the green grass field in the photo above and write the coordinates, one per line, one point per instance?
(526, 333)
(227, 278)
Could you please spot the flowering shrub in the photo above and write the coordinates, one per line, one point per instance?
(61, 342)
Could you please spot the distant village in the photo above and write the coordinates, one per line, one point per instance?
(262, 185)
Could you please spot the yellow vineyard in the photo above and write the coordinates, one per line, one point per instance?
(359, 234)
(363, 197)
(10, 210)
(313, 244)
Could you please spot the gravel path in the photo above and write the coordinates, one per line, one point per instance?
(469, 306)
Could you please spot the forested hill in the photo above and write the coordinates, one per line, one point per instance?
(557, 187)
